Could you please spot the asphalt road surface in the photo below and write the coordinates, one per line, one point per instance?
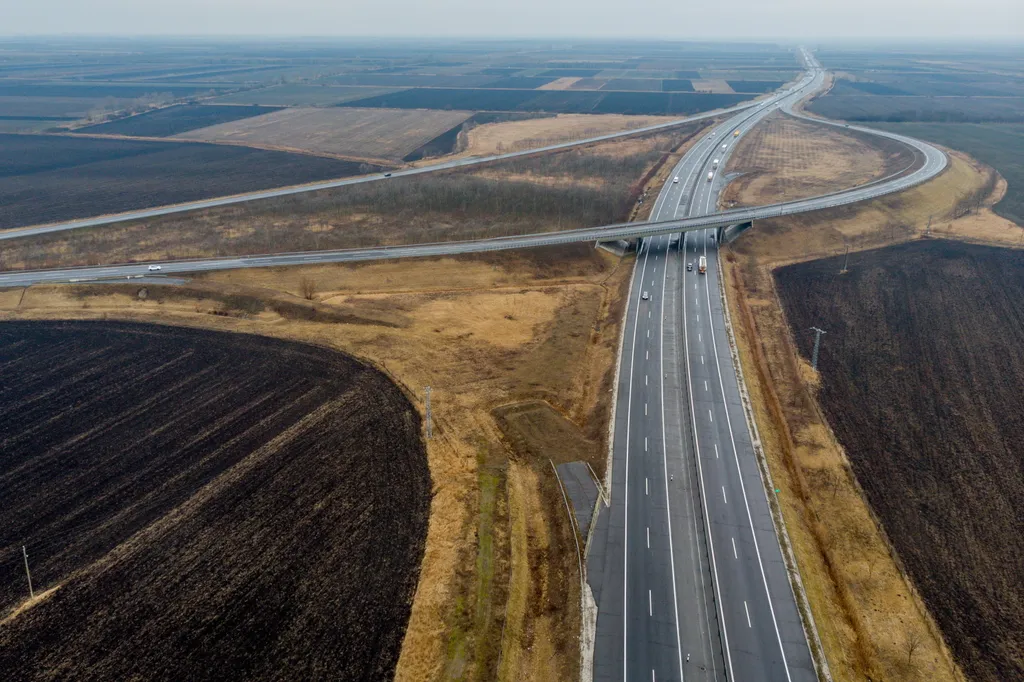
(685, 565)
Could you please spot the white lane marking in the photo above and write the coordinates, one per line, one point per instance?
(648, 314)
(743, 490)
(649, 539)
(650, 606)
(645, 380)
(699, 338)
(734, 554)
(647, 487)
(645, 409)
(698, 317)
(625, 499)
(749, 624)
(664, 459)
(702, 359)
(648, 357)
(648, 333)
(723, 495)
(645, 443)
(652, 676)
(716, 450)
(705, 384)
(711, 416)
(715, 584)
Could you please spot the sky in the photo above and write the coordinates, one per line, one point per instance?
(673, 19)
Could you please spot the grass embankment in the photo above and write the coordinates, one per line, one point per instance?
(785, 159)
(1000, 145)
(581, 187)
(519, 350)
(867, 613)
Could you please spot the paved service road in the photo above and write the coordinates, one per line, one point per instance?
(932, 162)
(330, 184)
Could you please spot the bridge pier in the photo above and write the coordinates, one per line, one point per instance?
(727, 234)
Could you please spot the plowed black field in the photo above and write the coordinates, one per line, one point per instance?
(212, 506)
(922, 370)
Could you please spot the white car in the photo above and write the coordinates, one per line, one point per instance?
(645, 296)
(154, 268)
(675, 180)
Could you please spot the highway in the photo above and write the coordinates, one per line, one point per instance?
(685, 565)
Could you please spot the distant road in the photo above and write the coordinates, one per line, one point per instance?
(933, 162)
(15, 233)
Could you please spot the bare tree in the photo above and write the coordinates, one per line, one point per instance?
(308, 288)
(912, 643)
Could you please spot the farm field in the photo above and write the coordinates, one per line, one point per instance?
(163, 489)
(558, 101)
(871, 108)
(595, 185)
(867, 612)
(301, 95)
(1000, 145)
(173, 120)
(53, 178)
(927, 85)
(485, 332)
(495, 138)
(919, 380)
(359, 133)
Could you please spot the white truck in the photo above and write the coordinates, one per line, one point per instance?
(702, 265)
(714, 164)
(711, 175)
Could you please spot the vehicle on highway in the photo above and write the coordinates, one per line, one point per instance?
(675, 180)
(689, 267)
(723, 146)
(735, 133)
(153, 268)
(387, 175)
(702, 265)
(645, 296)
(714, 164)
(711, 176)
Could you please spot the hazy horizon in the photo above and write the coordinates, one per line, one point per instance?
(744, 20)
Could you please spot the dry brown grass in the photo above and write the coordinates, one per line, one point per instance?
(378, 135)
(560, 84)
(867, 613)
(483, 332)
(495, 138)
(715, 85)
(786, 158)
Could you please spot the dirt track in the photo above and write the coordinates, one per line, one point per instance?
(921, 373)
(211, 506)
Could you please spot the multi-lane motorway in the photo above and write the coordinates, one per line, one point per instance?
(685, 565)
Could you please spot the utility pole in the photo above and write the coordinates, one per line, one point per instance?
(846, 261)
(430, 430)
(928, 228)
(28, 575)
(817, 345)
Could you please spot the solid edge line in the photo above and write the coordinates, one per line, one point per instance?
(739, 474)
(625, 497)
(664, 458)
(704, 500)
